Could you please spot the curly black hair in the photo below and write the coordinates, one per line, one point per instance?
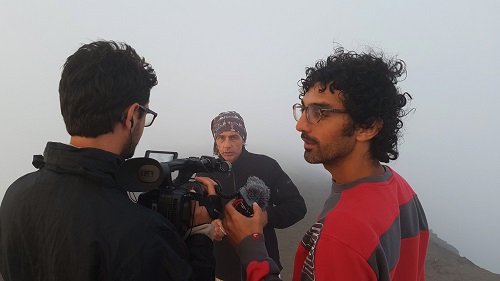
(367, 82)
(99, 82)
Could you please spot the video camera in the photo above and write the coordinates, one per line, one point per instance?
(171, 198)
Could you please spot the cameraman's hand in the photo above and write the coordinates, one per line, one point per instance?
(219, 231)
(201, 215)
(238, 226)
(208, 183)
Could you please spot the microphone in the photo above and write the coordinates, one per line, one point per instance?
(255, 190)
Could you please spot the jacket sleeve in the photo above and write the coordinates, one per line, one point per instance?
(201, 257)
(166, 256)
(287, 206)
(254, 257)
(163, 255)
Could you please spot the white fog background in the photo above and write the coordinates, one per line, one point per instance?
(213, 56)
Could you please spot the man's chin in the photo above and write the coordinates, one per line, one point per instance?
(129, 153)
(126, 155)
(228, 156)
(310, 158)
(229, 159)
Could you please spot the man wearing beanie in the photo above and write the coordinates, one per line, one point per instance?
(286, 205)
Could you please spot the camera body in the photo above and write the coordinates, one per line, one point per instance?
(174, 203)
(172, 198)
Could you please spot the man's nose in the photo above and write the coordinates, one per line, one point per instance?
(303, 125)
(226, 143)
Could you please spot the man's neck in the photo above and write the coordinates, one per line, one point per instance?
(107, 142)
(354, 167)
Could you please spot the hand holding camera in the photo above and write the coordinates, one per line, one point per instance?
(200, 213)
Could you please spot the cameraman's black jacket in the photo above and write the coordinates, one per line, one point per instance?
(69, 221)
(286, 206)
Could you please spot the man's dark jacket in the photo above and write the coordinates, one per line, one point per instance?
(286, 206)
(70, 221)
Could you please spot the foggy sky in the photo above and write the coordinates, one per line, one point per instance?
(213, 56)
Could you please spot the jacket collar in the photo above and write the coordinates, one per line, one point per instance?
(93, 163)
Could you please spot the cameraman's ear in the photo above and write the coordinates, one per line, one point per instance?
(129, 115)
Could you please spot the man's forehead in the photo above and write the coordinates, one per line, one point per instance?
(326, 97)
(228, 133)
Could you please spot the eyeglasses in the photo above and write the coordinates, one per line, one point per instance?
(150, 116)
(313, 112)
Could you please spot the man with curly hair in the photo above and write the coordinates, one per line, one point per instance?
(372, 226)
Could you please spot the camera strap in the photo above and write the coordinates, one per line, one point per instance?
(213, 204)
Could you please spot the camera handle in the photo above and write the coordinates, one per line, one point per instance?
(219, 192)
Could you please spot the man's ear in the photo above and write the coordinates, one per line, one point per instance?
(366, 134)
(129, 117)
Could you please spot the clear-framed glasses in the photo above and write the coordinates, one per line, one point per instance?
(150, 116)
(313, 112)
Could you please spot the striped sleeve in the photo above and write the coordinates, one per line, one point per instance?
(254, 257)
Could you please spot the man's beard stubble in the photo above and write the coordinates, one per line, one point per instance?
(334, 151)
(129, 147)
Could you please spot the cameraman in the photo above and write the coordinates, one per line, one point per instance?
(70, 220)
